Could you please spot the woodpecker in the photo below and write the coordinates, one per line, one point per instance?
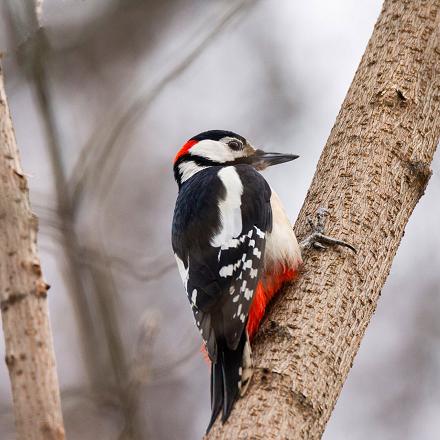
(234, 246)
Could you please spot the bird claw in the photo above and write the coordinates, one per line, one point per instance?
(318, 245)
(317, 239)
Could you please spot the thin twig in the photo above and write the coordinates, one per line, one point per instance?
(84, 173)
(34, 60)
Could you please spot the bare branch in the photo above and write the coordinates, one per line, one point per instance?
(102, 279)
(30, 356)
(33, 60)
(39, 10)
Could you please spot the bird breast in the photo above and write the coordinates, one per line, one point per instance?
(282, 249)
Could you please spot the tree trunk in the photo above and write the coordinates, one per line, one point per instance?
(371, 174)
(29, 349)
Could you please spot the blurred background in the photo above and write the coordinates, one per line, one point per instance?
(103, 93)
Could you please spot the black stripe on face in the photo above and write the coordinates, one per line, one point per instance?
(198, 160)
(205, 162)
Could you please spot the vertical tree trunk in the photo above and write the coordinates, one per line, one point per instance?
(371, 174)
(29, 349)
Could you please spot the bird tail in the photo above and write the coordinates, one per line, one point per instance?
(230, 377)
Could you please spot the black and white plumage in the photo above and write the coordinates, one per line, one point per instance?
(222, 219)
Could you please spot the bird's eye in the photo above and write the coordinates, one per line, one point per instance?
(235, 145)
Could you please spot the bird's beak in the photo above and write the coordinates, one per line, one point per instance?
(262, 159)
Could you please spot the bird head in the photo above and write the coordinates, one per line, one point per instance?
(221, 148)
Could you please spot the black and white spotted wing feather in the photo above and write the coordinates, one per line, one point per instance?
(242, 275)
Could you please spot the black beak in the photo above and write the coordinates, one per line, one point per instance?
(261, 160)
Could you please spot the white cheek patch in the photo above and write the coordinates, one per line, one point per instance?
(216, 151)
(229, 208)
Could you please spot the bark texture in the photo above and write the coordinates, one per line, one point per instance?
(371, 174)
(30, 356)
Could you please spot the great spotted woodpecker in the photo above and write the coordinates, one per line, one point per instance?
(234, 247)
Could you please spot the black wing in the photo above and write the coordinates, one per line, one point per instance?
(220, 281)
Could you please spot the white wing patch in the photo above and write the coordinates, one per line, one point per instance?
(229, 208)
(194, 298)
(184, 271)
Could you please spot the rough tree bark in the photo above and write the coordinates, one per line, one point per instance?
(371, 174)
(30, 356)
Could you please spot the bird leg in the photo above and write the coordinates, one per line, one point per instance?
(317, 239)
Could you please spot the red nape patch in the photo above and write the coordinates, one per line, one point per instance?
(184, 149)
(263, 294)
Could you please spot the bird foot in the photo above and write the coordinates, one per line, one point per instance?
(317, 239)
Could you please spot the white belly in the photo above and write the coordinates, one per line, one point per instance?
(282, 250)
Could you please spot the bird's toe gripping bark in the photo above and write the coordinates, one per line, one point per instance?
(317, 239)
